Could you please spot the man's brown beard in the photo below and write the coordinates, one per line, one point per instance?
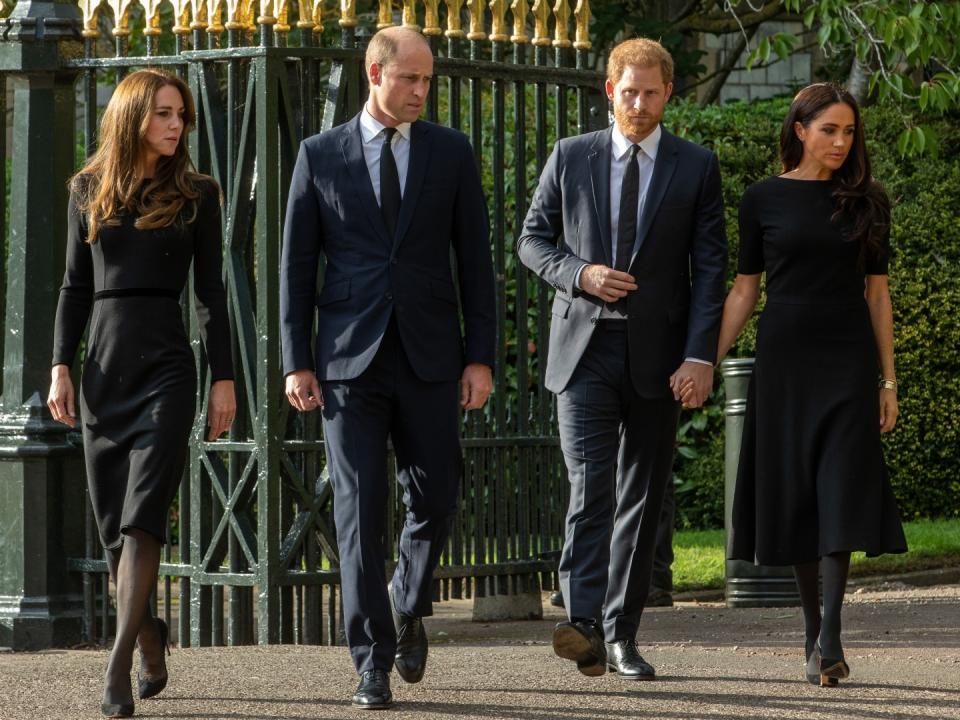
(626, 125)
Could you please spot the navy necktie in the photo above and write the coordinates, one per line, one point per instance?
(389, 183)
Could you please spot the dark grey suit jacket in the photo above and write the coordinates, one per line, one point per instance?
(680, 265)
(370, 276)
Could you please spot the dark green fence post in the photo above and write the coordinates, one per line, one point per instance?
(748, 585)
(41, 471)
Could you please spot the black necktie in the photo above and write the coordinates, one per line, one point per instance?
(389, 183)
(629, 201)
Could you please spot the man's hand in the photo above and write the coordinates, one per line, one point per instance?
(60, 399)
(303, 390)
(692, 383)
(221, 408)
(606, 283)
(476, 384)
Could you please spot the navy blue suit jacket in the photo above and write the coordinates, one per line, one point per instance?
(680, 266)
(369, 276)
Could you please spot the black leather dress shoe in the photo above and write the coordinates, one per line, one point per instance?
(373, 692)
(412, 647)
(624, 659)
(556, 599)
(659, 598)
(581, 642)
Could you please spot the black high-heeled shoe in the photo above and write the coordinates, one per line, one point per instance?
(147, 687)
(812, 668)
(832, 671)
(117, 710)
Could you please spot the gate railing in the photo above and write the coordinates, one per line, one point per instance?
(252, 556)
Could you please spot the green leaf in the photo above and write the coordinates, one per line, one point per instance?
(924, 95)
(903, 142)
(823, 34)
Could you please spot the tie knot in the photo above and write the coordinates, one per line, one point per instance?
(389, 133)
(634, 150)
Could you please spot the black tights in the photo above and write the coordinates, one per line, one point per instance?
(825, 627)
(134, 569)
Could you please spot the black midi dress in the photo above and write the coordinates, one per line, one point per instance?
(138, 394)
(812, 479)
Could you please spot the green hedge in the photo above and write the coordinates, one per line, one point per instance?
(923, 452)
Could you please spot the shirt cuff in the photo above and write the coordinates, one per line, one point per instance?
(576, 278)
(698, 360)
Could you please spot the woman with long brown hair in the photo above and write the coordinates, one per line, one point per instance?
(812, 485)
(138, 216)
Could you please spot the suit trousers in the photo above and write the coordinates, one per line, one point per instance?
(422, 420)
(618, 448)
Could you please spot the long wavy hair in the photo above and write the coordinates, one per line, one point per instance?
(857, 197)
(108, 186)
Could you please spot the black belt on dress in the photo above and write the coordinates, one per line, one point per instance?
(137, 292)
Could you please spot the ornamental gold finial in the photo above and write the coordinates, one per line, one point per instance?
(582, 13)
(121, 17)
(520, 8)
(237, 13)
(198, 10)
(91, 10)
(151, 9)
(311, 12)
(561, 31)
(409, 17)
(431, 18)
(215, 17)
(283, 17)
(348, 13)
(454, 29)
(476, 20)
(541, 22)
(181, 16)
(385, 17)
(498, 21)
(268, 12)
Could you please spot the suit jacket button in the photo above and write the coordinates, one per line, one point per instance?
(389, 296)
(393, 261)
(593, 321)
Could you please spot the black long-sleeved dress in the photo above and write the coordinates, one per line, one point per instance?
(811, 479)
(139, 381)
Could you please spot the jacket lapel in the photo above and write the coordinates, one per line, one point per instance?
(351, 145)
(663, 169)
(599, 159)
(416, 173)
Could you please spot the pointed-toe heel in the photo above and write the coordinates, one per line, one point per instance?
(116, 710)
(833, 671)
(812, 669)
(147, 687)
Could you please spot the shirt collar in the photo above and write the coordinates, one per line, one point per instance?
(370, 127)
(650, 144)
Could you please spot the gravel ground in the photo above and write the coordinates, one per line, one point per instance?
(902, 643)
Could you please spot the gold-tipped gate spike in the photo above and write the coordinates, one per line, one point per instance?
(385, 16)
(498, 21)
(121, 17)
(283, 17)
(520, 8)
(410, 15)
(582, 13)
(151, 9)
(215, 17)
(348, 13)
(91, 11)
(237, 11)
(268, 12)
(198, 10)
(181, 16)
(476, 20)
(541, 23)
(454, 29)
(561, 31)
(431, 18)
(311, 14)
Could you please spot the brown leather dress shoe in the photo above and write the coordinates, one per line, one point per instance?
(624, 659)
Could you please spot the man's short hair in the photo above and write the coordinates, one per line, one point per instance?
(385, 44)
(642, 52)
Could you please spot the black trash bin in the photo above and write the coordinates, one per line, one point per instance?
(748, 585)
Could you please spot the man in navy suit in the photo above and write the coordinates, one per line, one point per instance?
(627, 225)
(384, 198)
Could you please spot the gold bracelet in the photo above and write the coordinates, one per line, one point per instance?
(888, 384)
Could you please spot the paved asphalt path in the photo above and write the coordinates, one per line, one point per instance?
(903, 645)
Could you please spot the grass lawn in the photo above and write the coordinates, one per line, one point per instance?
(933, 543)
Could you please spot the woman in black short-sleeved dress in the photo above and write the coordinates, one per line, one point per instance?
(138, 217)
(812, 485)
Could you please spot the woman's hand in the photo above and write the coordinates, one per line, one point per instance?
(221, 408)
(888, 409)
(60, 399)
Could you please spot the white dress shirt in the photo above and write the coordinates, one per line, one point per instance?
(371, 131)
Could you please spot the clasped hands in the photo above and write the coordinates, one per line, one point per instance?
(304, 393)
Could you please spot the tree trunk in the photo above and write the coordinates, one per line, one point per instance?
(858, 80)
